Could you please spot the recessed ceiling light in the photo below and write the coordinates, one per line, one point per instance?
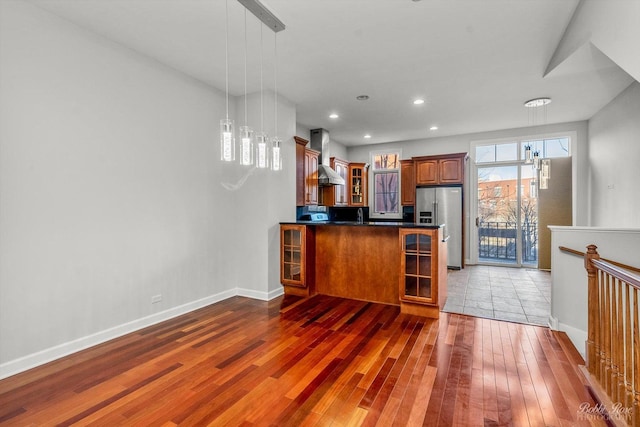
(333, 116)
(362, 97)
(418, 101)
(367, 136)
(433, 128)
(537, 102)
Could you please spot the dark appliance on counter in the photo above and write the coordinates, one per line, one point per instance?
(443, 205)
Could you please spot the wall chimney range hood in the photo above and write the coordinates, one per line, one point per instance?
(320, 141)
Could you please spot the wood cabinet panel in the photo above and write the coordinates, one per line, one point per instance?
(311, 176)
(358, 262)
(301, 144)
(451, 171)
(408, 183)
(423, 271)
(306, 173)
(357, 184)
(297, 258)
(426, 172)
(440, 170)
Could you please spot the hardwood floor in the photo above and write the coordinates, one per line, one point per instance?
(323, 361)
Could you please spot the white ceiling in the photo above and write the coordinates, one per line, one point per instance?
(474, 62)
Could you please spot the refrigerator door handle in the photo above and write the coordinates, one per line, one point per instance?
(435, 213)
(477, 221)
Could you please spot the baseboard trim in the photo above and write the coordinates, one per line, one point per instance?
(577, 336)
(263, 296)
(30, 361)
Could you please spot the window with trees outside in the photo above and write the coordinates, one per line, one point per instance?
(507, 198)
(386, 185)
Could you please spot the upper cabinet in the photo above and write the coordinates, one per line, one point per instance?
(439, 170)
(311, 176)
(357, 184)
(336, 195)
(306, 173)
(407, 182)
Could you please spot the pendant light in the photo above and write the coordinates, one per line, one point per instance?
(246, 133)
(276, 142)
(227, 137)
(262, 140)
(528, 157)
(533, 105)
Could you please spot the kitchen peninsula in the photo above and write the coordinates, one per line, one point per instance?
(386, 262)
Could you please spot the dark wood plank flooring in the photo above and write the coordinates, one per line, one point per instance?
(323, 361)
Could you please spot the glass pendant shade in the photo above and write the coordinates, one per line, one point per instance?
(262, 151)
(246, 146)
(533, 190)
(545, 168)
(536, 160)
(276, 154)
(528, 159)
(227, 141)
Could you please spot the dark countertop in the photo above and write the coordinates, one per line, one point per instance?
(366, 224)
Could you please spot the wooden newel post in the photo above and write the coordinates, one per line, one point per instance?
(593, 310)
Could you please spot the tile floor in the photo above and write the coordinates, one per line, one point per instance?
(520, 295)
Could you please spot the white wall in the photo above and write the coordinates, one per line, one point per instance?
(614, 153)
(111, 192)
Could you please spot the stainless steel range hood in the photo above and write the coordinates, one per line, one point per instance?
(320, 141)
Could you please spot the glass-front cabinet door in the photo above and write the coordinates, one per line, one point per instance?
(292, 255)
(417, 266)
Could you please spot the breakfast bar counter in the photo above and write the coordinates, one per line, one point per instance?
(386, 262)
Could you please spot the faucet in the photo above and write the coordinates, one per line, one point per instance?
(360, 216)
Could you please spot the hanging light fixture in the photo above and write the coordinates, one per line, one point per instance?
(227, 137)
(262, 145)
(276, 142)
(533, 105)
(259, 151)
(528, 158)
(536, 160)
(246, 133)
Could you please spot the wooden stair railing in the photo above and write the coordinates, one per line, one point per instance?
(613, 335)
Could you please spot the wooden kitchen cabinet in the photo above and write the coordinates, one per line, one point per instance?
(407, 183)
(311, 176)
(423, 271)
(336, 195)
(306, 173)
(357, 184)
(301, 144)
(297, 259)
(440, 170)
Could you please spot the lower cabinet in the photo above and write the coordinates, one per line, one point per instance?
(423, 271)
(297, 259)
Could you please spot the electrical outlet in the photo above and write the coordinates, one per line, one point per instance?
(156, 299)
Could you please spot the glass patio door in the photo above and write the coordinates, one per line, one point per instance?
(507, 216)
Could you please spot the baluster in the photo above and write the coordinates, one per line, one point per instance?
(636, 360)
(621, 344)
(606, 372)
(628, 346)
(617, 342)
(593, 332)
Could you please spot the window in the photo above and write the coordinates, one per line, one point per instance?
(548, 148)
(386, 185)
(508, 151)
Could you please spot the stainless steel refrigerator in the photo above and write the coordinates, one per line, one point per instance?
(443, 205)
